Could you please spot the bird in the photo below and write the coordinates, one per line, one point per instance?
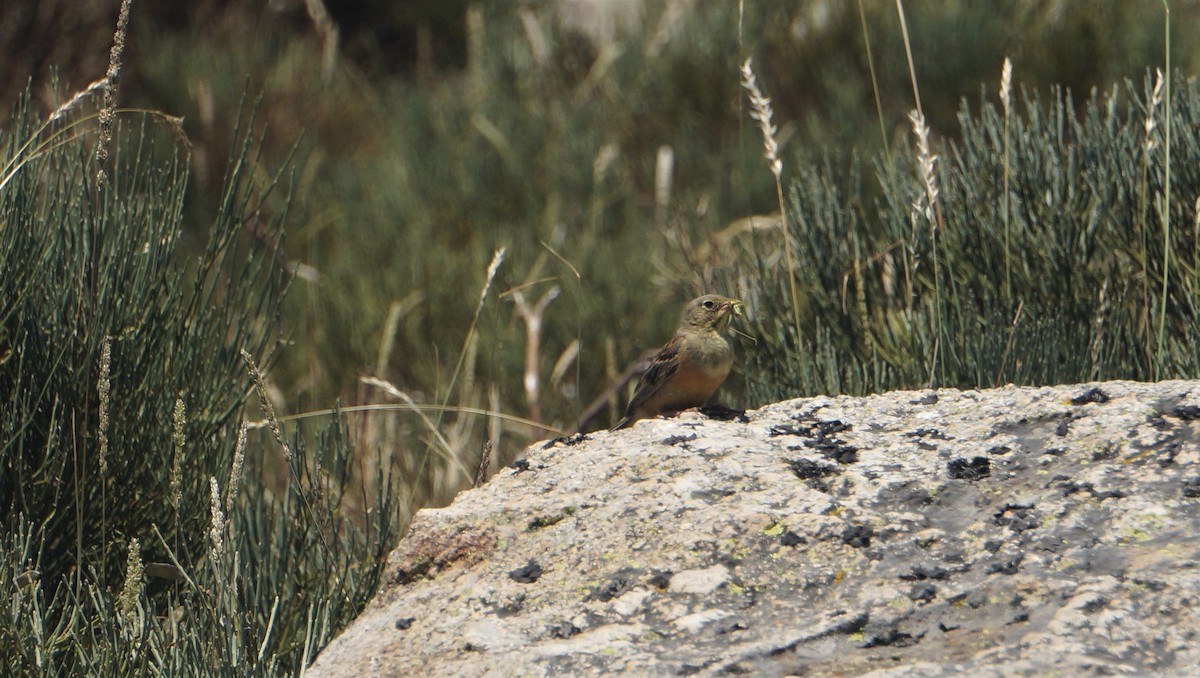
(691, 366)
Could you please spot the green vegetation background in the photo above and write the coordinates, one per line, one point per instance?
(611, 156)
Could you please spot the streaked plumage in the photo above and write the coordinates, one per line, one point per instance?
(690, 367)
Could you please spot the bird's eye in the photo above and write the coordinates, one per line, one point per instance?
(709, 304)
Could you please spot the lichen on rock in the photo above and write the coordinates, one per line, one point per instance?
(1042, 530)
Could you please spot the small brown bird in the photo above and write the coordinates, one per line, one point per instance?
(691, 367)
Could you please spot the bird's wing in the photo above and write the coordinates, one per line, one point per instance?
(663, 366)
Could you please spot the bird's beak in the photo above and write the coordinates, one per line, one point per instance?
(728, 309)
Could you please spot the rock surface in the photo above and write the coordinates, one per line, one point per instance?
(1017, 531)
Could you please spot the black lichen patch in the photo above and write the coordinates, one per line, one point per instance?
(975, 469)
(936, 572)
(1158, 422)
(893, 638)
(563, 630)
(852, 625)
(617, 585)
(926, 432)
(821, 436)
(999, 450)
(568, 441)
(1186, 412)
(723, 413)
(922, 592)
(730, 628)
(1071, 487)
(813, 473)
(1191, 488)
(1006, 566)
(817, 429)
(404, 623)
(1018, 517)
(1019, 618)
(789, 538)
(1063, 428)
(1093, 395)
(807, 469)
(679, 439)
(527, 573)
(927, 399)
(842, 454)
(858, 536)
(660, 579)
(521, 465)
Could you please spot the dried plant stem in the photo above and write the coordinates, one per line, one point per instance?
(760, 111)
(887, 148)
(493, 267)
(111, 79)
(273, 423)
(131, 591)
(932, 213)
(411, 405)
(104, 385)
(485, 461)
(435, 424)
(531, 315)
(1164, 212)
(912, 71)
(235, 469)
(1006, 101)
(1149, 144)
(264, 402)
(328, 31)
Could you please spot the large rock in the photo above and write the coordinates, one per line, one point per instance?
(1018, 531)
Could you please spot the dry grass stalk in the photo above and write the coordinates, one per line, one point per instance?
(75, 101)
(131, 591)
(264, 403)
(532, 315)
(235, 469)
(108, 109)
(1151, 124)
(760, 111)
(1006, 87)
(178, 423)
(927, 161)
(664, 171)
(216, 529)
(103, 385)
(328, 31)
(485, 461)
(1006, 102)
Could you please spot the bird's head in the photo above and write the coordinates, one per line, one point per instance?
(710, 312)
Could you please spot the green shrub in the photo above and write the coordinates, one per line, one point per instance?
(1068, 287)
(124, 389)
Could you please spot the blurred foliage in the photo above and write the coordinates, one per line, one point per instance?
(445, 133)
(1069, 287)
(124, 392)
(606, 149)
(531, 123)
